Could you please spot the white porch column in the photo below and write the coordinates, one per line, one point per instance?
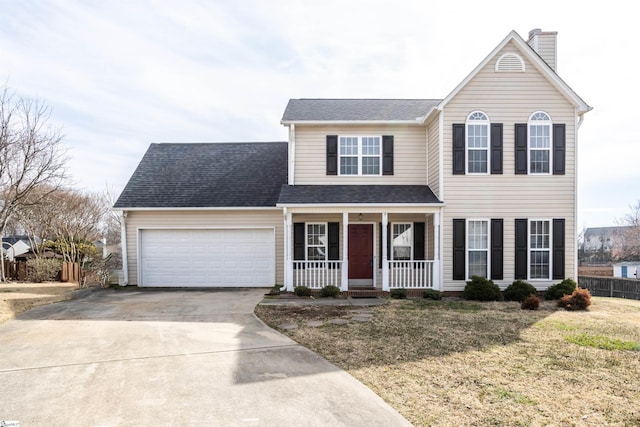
(385, 264)
(288, 258)
(436, 251)
(345, 252)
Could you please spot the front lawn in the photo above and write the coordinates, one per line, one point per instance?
(462, 363)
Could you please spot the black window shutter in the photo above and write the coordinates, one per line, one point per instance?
(334, 241)
(558, 249)
(332, 155)
(459, 249)
(387, 155)
(497, 251)
(418, 241)
(496, 148)
(559, 149)
(458, 149)
(298, 242)
(521, 148)
(521, 249)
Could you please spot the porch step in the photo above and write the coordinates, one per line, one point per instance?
(365, 293)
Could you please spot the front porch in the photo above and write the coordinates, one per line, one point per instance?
(362, 249)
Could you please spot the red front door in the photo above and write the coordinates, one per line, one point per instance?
(360, 251)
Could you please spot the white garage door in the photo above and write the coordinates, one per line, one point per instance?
(207, 258)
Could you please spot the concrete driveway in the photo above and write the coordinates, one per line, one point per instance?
(178, 358)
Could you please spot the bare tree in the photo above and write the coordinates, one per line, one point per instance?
(111, 220)
(74, 223)
(629, 249)
(32, 156)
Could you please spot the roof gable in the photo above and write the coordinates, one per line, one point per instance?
(537, 62)
(207, 175)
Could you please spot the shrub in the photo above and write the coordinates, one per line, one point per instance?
(518, 291)
(481, 289)
(580, 299)
(531, 302)
(43, 270)
(557, 291)
(302, 291)
(400, 293)
(431, 294)
(330, 291)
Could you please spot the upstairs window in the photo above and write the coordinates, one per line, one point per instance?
(539, 143)
(359, 155)
(477, 130)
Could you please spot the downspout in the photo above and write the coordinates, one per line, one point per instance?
(441, 196)
(575, 189)
(285, 237)
(123, 245)
(292, 153)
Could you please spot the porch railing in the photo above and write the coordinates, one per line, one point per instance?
(317, 274)
(411, 274)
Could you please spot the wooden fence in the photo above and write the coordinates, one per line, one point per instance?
(611, 286)
(70, 272)
(14, 270)
(18, 270)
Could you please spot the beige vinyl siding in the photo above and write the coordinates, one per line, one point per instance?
(409, 154)
(547, 49)
(509, 98)
(135, 220)
(433, 147)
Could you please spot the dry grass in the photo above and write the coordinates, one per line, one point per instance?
(17, 297)
(445, 363)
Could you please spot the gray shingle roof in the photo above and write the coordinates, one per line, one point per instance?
(207, 175)
(356, 109)
(354, 194)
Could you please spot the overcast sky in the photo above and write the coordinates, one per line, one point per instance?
(120, 75)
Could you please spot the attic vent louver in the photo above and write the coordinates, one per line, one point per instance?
(510, 62)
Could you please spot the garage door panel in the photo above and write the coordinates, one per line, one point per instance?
(207, 257)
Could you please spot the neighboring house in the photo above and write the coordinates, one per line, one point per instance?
(606, 244)
(375, 193)
(13, 246)
(630, 270)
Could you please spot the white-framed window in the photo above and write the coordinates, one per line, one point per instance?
(401, 241)
(477, 142)
(360, 155)
(478, 248)
(539, 249)
(539, 143)
(316, 241)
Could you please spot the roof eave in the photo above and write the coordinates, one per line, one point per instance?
(357, 205)
(203, 208)
(416, 121)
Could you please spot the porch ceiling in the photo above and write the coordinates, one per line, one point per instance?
(357, 195)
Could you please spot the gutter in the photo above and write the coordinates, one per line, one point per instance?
(123, 245)
(416, 121)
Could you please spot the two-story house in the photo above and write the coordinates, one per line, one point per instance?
(375, 194)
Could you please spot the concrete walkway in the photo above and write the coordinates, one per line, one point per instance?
(141, 358)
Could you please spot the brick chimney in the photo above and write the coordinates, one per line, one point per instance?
(545, 43)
